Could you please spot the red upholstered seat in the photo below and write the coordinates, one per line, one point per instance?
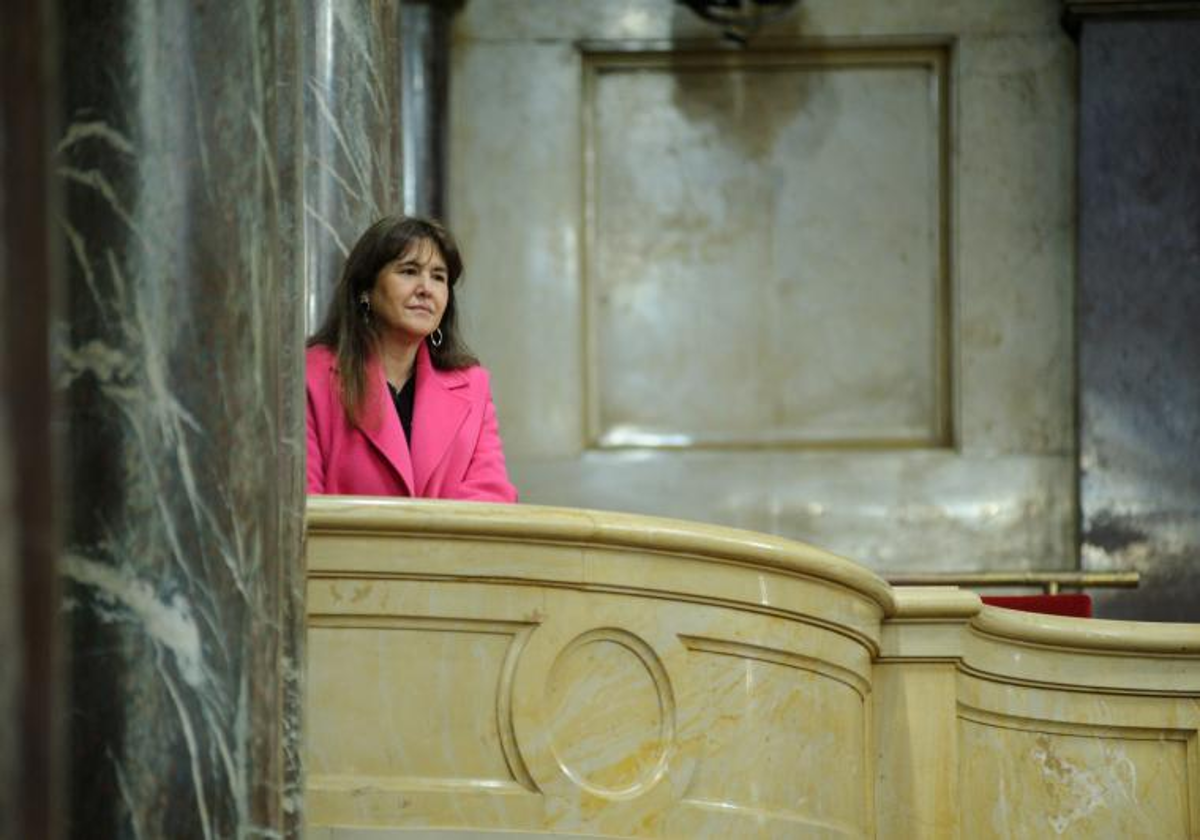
(1074, 604)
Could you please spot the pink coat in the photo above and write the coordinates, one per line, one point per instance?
(457, 452)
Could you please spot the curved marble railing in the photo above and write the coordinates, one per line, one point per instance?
(478, 668)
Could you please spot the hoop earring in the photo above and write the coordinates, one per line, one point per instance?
(436, 339)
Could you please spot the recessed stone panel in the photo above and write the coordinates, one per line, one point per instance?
(1098, 783)
(610, 713)
(765, 254)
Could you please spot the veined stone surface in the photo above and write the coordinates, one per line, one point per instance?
(179, 360)
(1139, 302)
(352, 134)
(485, 668)
(821, 287)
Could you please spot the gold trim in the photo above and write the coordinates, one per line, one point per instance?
(1050, 582)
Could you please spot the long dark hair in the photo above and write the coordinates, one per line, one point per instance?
(353, 337)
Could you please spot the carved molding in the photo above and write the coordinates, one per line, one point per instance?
(788, 659)
(504, 713)
(588, 748)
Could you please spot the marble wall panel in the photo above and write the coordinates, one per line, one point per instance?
(766, 262)
(179, 360)
(1064, 783)
(374, 665)
(932, 509)
(352, 141)
(994, 488)
(1013, 257)
(1139, 306)
(786, 717)
(520, 299)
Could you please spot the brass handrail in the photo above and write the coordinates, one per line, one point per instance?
(1050, 582)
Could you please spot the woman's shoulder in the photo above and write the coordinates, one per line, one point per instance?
(319, 354)
(476, 376)
(472, 375)
(320, 363)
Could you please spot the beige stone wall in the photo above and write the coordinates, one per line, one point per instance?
(819, 288)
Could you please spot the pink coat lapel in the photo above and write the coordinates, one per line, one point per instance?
(439, 410)
(381, 425)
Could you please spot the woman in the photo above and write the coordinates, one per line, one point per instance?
(397, 405)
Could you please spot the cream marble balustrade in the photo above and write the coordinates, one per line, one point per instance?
(478, 669)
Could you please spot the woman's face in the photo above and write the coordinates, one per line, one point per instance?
(411, 291)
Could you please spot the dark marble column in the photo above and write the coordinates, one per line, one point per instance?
(424, 101)
(180, 366)
(352, 138)
(1139, 304)
(30, 781)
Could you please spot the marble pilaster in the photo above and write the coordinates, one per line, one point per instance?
(425, 34)
(30, 766)
(179, 363)
(352, 142)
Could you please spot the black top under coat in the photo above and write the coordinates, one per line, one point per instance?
(403, 398)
